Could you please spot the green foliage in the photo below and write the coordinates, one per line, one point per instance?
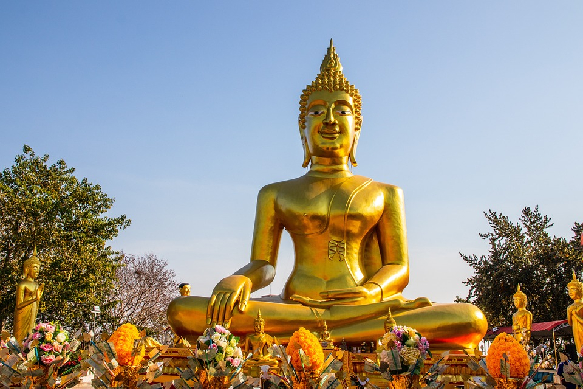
(47, 206)
(524, 253)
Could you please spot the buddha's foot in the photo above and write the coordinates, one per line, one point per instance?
(419, 302)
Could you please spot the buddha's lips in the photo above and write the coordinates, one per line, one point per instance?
(329, 133)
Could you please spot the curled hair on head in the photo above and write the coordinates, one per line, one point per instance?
(183, 285)
(330, 79)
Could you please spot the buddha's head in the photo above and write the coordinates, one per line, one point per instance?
(259, 324)
(31, 266)
(330, 118)
(520, 299)
(575, 288)
(184, 289)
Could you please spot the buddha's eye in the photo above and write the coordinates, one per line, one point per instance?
(316, 112)
(344, 112)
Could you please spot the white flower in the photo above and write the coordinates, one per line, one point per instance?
(61, 337)
(216, 337)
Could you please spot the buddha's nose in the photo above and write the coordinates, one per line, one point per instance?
(330, 119)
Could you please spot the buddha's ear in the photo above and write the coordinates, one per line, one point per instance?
(353, 148)
(307, 155)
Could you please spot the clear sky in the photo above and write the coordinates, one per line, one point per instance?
(183, 110)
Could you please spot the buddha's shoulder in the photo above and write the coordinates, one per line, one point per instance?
(290, 186)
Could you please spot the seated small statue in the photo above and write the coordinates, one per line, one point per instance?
(351, 259)
(522, 319)
(259, 343)
(575, 311)
(325, 338)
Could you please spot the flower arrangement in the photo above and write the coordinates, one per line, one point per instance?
(517, 357)
(304, 340)
(48, 343)
(217, 348)
(123, 340)
(403, 350)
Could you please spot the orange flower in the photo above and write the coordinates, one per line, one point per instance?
(123, 340)
(305, 340)
(517, 356)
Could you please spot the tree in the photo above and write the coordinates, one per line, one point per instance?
(524, 253)
(144, 288)
(46, 206)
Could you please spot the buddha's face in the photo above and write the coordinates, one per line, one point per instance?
(185, 290)
(259, 327)
(574, 292)
(330, 124)
(32, 271)
(519, 302)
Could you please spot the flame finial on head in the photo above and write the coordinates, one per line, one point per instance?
(574, 281)
(330, 79)
(519, 293)
(331, 61)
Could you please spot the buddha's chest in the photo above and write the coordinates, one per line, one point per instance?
(349, 207)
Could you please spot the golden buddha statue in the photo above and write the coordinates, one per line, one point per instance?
(349, 235)
(259, 343)
(28, 295)
(575, 311)
(522, 319)
(184, 289)
(325, 339)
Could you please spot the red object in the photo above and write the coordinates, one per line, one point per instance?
(543, 329)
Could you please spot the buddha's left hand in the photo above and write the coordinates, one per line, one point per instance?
(348, 296)
(367, 295)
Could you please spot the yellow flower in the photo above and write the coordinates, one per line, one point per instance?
(123, 340)
(305, 340)
(517, 357)
(49, 336)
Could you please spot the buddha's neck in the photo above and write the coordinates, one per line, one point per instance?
(330, 167)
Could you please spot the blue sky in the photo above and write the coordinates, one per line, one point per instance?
(183, 110)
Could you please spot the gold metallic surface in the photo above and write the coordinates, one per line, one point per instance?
(259, 343)
(349, 236)
(575, 311)
(28, 295)
(522, 319)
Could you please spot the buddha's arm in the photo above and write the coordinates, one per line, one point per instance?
(256, 274)
(20, 302)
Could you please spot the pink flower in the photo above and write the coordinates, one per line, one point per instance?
(37, 335)
(47, 359)
(235, 362)
(49, 328)
(57, 347)
(46, 347)
(220, 329)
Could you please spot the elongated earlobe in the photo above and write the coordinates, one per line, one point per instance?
(353, 148)
(307, 155)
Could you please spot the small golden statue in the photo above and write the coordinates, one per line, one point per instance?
(28, 295)
(259, 343)
(575, 311)
(522, 319)
(184, 289)
(325, 338)
(351, 259)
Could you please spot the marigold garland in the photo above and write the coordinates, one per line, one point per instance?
(305, 340)
(123, 340)
(517, 356)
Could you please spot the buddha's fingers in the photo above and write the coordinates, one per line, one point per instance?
(216, 308)
(222, 307)
(309, 302)
(344, 293)
(209, 309)
(245, 294)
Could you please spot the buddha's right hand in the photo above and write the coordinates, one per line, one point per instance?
(228, 292)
